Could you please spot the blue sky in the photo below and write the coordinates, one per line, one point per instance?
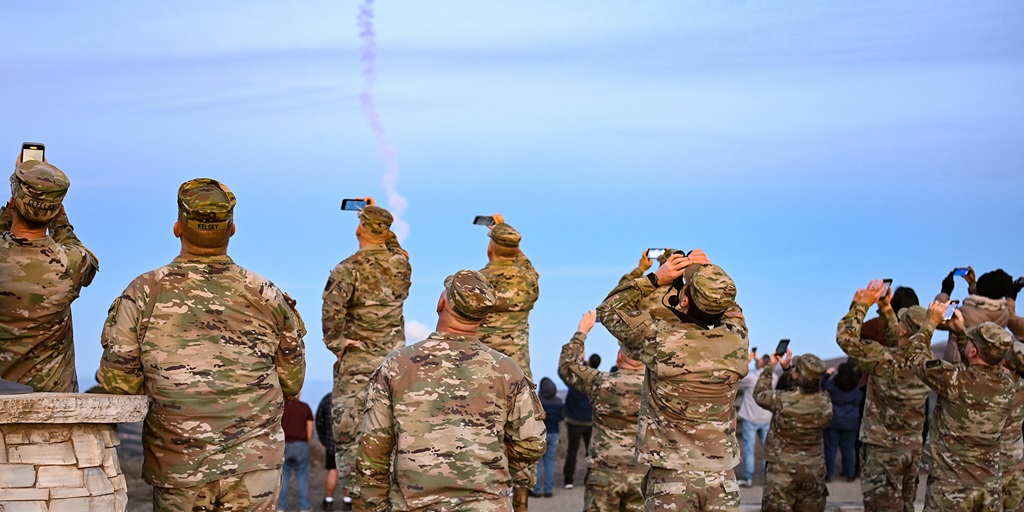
(806, 146)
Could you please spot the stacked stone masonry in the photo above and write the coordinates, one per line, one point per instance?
(69, 462)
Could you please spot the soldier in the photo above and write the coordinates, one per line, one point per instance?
(970, 413)
(449, 420)
(795, 478)
(363, 323)
(1012, 458)
(652, 303)
(40, 276)
(218, 349)
(613, 478)
(894, 410)
(687, 428)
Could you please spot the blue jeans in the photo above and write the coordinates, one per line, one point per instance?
(547, 463)
(296, 458)
(751, 429)
(846, 441)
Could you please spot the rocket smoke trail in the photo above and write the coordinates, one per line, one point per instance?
(396, 202)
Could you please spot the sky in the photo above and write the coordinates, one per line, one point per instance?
(806, 146)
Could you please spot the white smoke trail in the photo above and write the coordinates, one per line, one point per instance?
(395, 200)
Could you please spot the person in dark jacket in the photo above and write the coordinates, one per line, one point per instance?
(579, 422)
(553, 408)
(843, 388)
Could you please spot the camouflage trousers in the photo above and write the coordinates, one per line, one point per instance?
(672, 489)
(889, 478)
(513, 344)
(351, 381)
(1013, 490)
(614, 490)
(947, 496)
(255, 491)
(794, 488)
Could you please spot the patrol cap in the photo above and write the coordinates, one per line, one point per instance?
(666, 255)
(376, 220)
(809, 366)
(469, 294)
(38, 189)
(505, 235)
(205, 204)
(712, 290)
(992, 341)
(914, 317)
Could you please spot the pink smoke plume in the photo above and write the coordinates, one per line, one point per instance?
(396, 202)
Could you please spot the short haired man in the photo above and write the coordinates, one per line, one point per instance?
(218, 348)
(687, 429)
(448, 420)
(43, 267)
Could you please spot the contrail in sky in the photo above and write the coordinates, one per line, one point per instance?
(396, 202)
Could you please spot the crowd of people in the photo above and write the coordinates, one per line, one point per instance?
(456, 422)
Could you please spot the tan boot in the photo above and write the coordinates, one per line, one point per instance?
(520, 497)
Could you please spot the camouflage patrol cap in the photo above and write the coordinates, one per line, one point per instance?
(666, 255)
(992, 341)
(712, 290)
(505, 235)
(205, 204)
(469, 294)
(809, 366)
(376, 220)
(914, 317)
(38, 189)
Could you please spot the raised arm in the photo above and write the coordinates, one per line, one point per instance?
(937, 374)
(764, 395)
(867, 353)
(377, 442)
(645, 263)
(571, 368)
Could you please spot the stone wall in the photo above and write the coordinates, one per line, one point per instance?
(58, 451)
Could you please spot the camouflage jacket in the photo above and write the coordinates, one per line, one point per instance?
(447, 423)
(1013, 437)
(798, 420)
(516, 288)
(217, 348)
(616, 401)
(39, 279)
(965, 435)
(688, 415)
(363, 301)
(894, 411)
(653, 304)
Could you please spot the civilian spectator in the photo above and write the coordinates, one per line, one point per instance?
(298, 430)
(553, 410)
(844, 390)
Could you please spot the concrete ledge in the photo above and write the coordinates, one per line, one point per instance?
(72, 408)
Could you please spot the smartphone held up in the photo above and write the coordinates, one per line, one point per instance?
(886, 285)
(782, 347)
(960, 271)
(483, 220)
(33, 151)
(353, 204)
(950, 309)
(654, 253)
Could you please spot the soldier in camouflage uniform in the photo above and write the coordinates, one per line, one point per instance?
(40, 276)
(218, 348)
(448, 420)
(652, 303)
(363, 323)
(795, 478)
(972, 408)
(894, 410)
(687, 427)
(1012, 459)
(614, 480)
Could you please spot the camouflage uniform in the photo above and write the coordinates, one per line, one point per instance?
(218, 349)
(894, 410)
(613, 478)
(448, 420)
(507, 328)
(1012, 459)
(973, 405)
(39, 279)
(363, 301)
(653, 303)
(795, 478)
(690, 442)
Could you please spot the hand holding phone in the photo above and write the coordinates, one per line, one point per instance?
(886, 285)
(950, 309)
(353, 204)
(483, 220)
(653, 253)
(783, 345)
(33, 151)
(960, 271)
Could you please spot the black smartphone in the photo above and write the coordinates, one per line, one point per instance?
(781, 349)
(32, 151)
(960, 271)
(886, 284)
(1019, 281)
(483, 220)
(753, 349)
(950, 309)
(654, 253)
(353, 204)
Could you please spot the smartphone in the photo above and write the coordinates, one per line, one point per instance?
(483, 220)
(654, 253)
(753, 349)
(1019, 281)
(950, 309)
(353, 204)
(32, 151)
(886, 284)
(960, 271)
(781, 349)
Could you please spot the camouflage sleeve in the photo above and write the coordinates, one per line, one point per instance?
(62, 232)
(573, 372)
(121, 366)
(633, 274)
(823, 419)
(764, 395)
(864, 352)
(5, 219)
(937, 374)
(290, 358)
(733, 320)
(376, 441)
(1015, 357)
(525, 439)
(339, 289)
(891, 327)
(634, 328)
